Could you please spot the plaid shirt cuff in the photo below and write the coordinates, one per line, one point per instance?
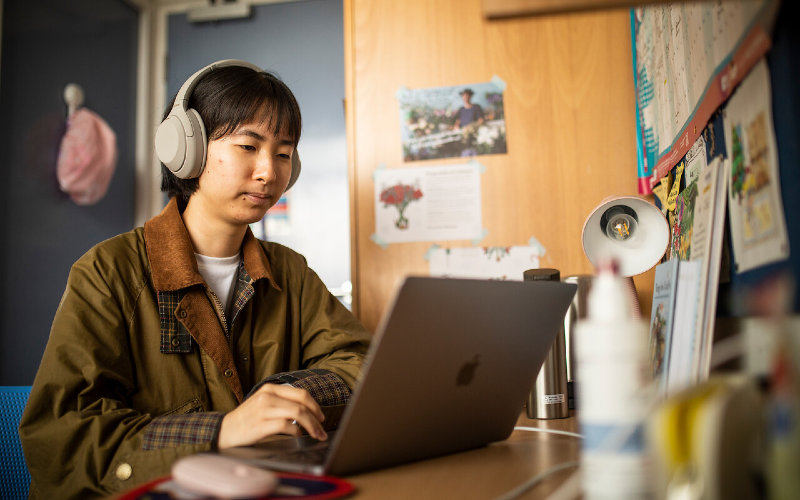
(169, 431)
(327, 388)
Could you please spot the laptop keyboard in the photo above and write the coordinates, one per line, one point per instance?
(303, 450)
(311, 456)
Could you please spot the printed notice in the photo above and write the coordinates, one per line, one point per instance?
(496, 263)
(439, 203)
(758, 226)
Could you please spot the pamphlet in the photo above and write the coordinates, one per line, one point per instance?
(758, 225)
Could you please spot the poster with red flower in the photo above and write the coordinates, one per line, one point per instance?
(438, 203)
(400, 195)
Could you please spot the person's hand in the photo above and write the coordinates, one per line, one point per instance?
(273, 409)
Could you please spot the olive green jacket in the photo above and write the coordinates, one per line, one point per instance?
(114, 362)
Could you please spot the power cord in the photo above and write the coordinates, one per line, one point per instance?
(551, 431)
(519, 490)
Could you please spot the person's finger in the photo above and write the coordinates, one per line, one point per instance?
(292, 427)
(311, 425)
(299, 416)
(294, 394)
(272, 406)
(295, 428)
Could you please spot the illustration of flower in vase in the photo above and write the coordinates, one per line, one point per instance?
(400, 195)
(499, 253)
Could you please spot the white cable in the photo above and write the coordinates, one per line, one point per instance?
(570, 489)
(552, 431)
(519, 490)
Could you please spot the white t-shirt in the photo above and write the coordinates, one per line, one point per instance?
(220, 273)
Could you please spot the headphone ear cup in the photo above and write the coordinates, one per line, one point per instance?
(295, 170)
(196, 148)
(181, 143)
(170, 143)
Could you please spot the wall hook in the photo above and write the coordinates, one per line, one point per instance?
(73, 96)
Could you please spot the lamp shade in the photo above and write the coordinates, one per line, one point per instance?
(628, 229)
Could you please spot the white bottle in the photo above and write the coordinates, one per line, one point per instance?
(614, 393)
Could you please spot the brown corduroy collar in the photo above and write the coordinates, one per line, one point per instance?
(171, 253)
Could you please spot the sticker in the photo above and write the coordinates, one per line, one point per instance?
(660, 191)
(552, 399)
(676, 186)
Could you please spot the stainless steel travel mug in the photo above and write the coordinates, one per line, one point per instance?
(549, 398)
(577, 311)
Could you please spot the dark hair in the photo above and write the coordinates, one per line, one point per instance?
(229, 97)
(467, 91)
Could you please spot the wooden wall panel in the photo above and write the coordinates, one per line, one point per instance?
(570, 118)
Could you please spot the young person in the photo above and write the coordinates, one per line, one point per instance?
(470, 113)
(189, 334)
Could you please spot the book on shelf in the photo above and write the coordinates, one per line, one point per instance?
(672, 343)
(707, 245)
(697, 234)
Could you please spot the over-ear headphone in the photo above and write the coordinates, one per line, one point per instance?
(181, 143)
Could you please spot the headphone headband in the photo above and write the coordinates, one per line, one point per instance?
(182, 97)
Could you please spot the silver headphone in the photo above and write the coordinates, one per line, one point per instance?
(181, 143)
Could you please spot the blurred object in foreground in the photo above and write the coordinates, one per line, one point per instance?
(614, 395)
(705, 442)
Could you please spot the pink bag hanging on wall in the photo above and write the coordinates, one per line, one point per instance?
(87, 158)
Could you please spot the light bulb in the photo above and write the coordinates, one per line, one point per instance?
(621, 226)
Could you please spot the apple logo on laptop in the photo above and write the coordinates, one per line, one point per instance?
(467, 372)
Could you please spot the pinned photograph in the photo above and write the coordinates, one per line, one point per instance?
(453, 122)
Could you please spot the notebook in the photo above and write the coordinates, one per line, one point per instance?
(449, 369)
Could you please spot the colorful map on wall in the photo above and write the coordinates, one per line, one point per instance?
(688, 58)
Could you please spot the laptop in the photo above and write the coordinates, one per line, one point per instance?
(449, 369)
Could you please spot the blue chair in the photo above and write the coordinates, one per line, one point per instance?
(14, 475)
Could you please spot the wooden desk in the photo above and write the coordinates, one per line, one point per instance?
(484, 473)
(480, 474)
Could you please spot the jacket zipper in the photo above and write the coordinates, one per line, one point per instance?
(220, 313)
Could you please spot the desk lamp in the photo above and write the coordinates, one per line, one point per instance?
(631, 231)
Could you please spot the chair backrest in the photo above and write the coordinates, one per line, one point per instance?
(14, 476)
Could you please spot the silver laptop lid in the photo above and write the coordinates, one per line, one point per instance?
(449, 369)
